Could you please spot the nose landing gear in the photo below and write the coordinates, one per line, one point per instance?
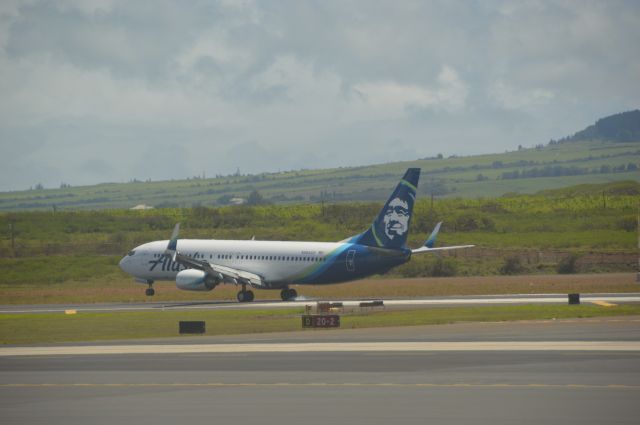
(150, 292)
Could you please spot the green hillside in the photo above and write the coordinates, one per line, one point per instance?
(623, 127)
(608, 151)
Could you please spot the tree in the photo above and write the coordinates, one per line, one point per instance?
(568, 264)
(256, 198)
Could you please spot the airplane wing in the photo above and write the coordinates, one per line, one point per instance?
(219, 272)
(222, 273)
(431, 240)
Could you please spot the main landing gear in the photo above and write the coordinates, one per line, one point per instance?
(150, 292)
(245, 296)
(288, 294)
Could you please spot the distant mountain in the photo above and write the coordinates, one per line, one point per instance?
(623, 127)
(595, 155)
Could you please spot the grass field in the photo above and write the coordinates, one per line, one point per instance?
(44, 248)
(72, 256)
(49, 328)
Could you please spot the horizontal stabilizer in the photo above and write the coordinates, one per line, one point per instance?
(423, 249)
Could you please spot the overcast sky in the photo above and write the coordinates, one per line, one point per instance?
(97, 91)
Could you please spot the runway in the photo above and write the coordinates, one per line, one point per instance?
(257, 305)
(473, 379)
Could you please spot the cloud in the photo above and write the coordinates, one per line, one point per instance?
(168, 90)
(392, 99)
(509, 97)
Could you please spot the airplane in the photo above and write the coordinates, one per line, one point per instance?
(203, 264)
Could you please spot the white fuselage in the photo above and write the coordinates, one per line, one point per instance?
(277, 262)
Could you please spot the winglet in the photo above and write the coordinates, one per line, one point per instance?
(172, 246)
(431, 241)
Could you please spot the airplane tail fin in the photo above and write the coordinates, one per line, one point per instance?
(391, 227)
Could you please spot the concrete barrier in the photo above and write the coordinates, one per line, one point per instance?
(376, 303)
(192, 327)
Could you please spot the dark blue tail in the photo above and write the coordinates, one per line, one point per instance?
(391, 228)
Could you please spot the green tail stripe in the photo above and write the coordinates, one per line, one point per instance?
(406, 183)
(373, 230)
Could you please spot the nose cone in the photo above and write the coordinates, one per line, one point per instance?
(124, 264)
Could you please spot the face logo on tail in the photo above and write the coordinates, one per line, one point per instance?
(396, 218)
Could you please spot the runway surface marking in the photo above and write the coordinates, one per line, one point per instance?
(603, 303)
(325, 347)
(490, 299)
(320, 384)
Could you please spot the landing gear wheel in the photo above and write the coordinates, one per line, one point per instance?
(288, 294)
(293, 294)
(245, 296)
(249, 296)
(150, 292)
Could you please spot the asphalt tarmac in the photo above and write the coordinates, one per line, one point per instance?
(480, 385)
(301, 302)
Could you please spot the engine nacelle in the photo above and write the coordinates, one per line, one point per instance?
(195, 280)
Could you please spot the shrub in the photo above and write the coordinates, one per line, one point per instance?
(512, 265)
(568, 265)
(443, 268)
(628, 224)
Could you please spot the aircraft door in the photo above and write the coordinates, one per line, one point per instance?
(351, 260)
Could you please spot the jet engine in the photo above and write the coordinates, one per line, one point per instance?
(195, 280)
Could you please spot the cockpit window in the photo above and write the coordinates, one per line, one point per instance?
(131, 253)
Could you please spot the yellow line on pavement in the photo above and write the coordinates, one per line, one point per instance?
(603, 303)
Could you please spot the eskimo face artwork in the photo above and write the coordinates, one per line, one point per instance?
(396, 218)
